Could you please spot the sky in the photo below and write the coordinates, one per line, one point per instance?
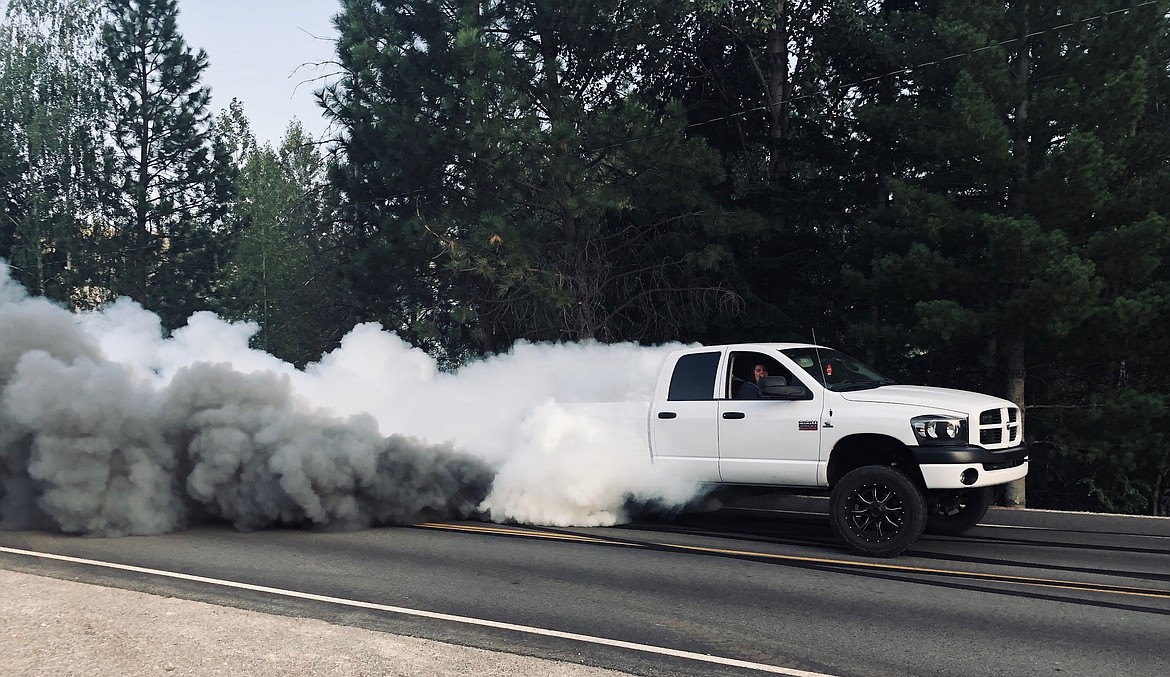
(263, 52)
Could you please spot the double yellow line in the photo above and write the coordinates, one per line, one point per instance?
(881, 566)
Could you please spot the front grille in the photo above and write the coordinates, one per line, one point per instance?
(1000, 427)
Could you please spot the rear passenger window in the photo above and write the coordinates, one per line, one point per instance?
(694, 377)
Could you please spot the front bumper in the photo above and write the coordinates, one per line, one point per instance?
(944, 467)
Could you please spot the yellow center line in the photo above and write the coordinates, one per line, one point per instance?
(883, 566)
(524, 532)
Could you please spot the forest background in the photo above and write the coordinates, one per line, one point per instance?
(961, 193)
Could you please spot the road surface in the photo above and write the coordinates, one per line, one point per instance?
(745, 590)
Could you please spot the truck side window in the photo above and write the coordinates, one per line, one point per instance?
(743, 371)
(694, 377)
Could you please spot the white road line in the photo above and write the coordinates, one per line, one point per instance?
(1013, 526)
(664, 651)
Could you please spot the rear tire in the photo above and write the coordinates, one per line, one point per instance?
(954, 513)
(877, 511)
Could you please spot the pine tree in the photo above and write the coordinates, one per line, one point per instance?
(764, 84)
(1023, 128)
(507, 176)
(51, 164)
(1107, 435)
(282, 273)
(175, 181)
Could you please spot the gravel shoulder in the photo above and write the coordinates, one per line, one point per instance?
(55, 627)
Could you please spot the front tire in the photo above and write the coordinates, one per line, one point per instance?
(954, 513)
(877, 511)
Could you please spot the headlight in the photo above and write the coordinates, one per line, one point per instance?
(934, 430)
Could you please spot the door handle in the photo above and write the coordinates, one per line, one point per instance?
(733, 414)
(667, 414)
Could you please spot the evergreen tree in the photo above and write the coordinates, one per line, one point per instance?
(759, 82)
(1106, 431)
(50, 163)
(282, 273)
(1022, 129)
(507, 175)
(175, 180)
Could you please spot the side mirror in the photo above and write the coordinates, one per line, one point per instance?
(777, 388)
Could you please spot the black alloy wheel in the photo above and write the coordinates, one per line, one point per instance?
(877, 511)
(954, 513)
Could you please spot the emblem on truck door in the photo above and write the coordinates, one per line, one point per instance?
(806, 425)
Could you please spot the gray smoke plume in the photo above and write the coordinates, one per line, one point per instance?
(90, 446)
(256, 459)
(108, 427)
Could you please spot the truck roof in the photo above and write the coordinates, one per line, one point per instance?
(751, 346)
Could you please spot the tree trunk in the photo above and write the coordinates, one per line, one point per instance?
(580, 319)
(142, 193)
(779, 91)
(1015, 494)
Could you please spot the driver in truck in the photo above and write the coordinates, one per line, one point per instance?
(750, 390)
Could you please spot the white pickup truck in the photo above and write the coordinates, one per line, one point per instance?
(895, 459)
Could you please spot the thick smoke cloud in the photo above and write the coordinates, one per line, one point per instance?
(107, 428)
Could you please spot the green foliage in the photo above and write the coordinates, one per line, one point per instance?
(512, 178)
(1015, 239)
(1110, 456)
(175, 183)
(50, 163)
(969, 194)
(282, 273)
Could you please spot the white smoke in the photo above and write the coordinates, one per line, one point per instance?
(108, 428)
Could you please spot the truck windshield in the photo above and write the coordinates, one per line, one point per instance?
(837, 371)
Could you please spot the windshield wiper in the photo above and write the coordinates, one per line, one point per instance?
(860, 384)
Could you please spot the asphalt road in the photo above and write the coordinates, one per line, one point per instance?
(1028, 593)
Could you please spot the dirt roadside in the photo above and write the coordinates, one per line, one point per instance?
(54, 627)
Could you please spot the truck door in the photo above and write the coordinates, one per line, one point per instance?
(766, 441)
(683, 429)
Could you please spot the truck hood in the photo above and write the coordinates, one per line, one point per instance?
(958, 401)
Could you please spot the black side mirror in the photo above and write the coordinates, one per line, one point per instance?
(777, 388)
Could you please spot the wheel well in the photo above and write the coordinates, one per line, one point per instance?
(856, 451)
